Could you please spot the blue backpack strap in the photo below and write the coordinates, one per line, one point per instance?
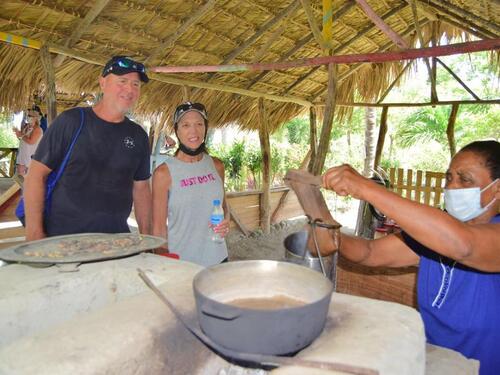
(51, 184)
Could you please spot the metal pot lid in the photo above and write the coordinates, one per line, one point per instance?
(80, 248)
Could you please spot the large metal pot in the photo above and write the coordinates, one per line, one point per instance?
(261, 330)
(296, 252)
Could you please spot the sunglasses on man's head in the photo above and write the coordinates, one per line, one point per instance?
(127, 63)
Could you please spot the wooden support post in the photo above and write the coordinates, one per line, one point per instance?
(50, 82)
(313, 137)
(450, 129)
(324, 141)
(265, 146)
(306, 5)
(381, 137)
(423, 44)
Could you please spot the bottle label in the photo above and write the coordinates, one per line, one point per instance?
(216, 219)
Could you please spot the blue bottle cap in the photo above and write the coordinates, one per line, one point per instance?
(216, 202)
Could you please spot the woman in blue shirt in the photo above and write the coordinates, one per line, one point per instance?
(458, 251)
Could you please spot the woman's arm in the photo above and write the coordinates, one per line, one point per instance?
(477, 246)
(224, 226)
(161, 185)
(388, 251)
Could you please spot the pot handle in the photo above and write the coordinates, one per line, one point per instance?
(213, 312)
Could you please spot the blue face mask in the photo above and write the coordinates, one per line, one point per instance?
(465, 204)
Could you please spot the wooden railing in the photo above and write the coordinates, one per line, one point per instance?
(7, 161)
(421, 186)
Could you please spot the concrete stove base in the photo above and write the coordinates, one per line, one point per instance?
(103, 320)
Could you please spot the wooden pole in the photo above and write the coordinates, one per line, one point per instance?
(82, 26)
(313, 137)
(265, 147)
(385, 28)
(306, 5)
(169, 42)
(50, 82)
(409, 54)
(324, 141)
(450, 129)
(381, 137)
(391, 86)
(442, 102)
(457, 78)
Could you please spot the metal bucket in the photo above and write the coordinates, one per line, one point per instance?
(297, 252)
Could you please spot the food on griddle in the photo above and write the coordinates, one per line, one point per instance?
(84, 246)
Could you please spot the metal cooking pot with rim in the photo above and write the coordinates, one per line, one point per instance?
(256, 330)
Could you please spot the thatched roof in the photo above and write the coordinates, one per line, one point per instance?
(195, 32)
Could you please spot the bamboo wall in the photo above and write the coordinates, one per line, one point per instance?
(246, 206)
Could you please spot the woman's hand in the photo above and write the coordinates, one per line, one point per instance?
(222, 228)
(345, 180)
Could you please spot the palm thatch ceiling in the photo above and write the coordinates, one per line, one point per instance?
(213, 32)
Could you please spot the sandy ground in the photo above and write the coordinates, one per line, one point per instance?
(270, 246)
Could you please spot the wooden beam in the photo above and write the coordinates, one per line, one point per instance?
(169, 42)
(381, 137)
(95, 59)
(81, 27)
(461, 22)
(450, 130)
(237, 221)
(442, 102)
(313, 137)
(269, 42)
(478, 34)
(306, 6)
(265, 147)
(326, 130)
(264, 28)
(416, 53)
(457, 78)
(491, 26)
(327, 30)
(391, 86)
(50, 83)
(301, 43)
(342, 47)
(385, 28)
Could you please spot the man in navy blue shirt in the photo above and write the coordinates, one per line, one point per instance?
(108, 169)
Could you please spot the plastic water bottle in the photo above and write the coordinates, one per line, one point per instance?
(216, 218)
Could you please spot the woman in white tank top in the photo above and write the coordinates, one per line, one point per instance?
(29, 137)
(184, 187)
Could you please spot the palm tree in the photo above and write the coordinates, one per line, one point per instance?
(425, 125)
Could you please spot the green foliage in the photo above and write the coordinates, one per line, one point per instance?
(7, 136)
(298, 130)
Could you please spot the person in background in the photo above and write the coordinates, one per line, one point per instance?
(458, 251)
(29, 136)
(108, 169)
(184, 188)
